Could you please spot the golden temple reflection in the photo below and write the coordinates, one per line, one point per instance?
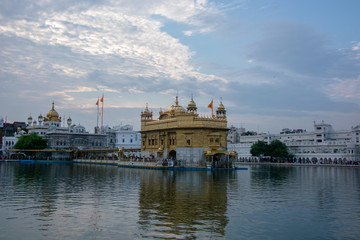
(179, 203)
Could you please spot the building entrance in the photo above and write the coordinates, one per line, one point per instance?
(172, 154)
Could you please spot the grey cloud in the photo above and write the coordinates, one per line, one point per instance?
(298, 96)
(295, 47)
(27, 9)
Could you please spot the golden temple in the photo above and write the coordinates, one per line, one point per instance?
(181, 134)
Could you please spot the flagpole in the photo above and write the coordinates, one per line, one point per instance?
(4, 143)
(211, 105)
(212, 108)
(102, 111)
(97, 116)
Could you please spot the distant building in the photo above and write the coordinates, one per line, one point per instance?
(8, 140)
(323, 145)
(123, 136)
(10, 128)
(234, 134)
(64, 137)
(8, 143)
(184, 135)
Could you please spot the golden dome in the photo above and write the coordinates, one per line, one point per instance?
(176, 107)
(146, 114)
(146, 111)
(221, 112)
(52, 115)
(221, 107)
(191, 104)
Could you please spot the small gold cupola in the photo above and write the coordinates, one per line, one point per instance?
(221, 112)
(146, 114)
(192, 106)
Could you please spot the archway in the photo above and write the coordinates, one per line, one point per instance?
(220, 160)
(172, 154)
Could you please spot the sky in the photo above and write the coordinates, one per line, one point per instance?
(274, 63)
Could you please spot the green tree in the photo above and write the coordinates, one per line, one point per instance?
(275, 149)
(259, 148)
(278, 149)
(30, 141)
(249, 133)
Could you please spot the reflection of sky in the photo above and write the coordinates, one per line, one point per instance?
(64, 201)
(68, 201)
(296, 203)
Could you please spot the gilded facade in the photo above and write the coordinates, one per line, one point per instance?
(183, 135)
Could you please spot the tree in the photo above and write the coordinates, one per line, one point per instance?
(30, 141)
(259, 148)
(249, 133)
(278, 149)
(275, 149)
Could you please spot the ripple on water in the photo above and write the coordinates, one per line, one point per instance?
(104, 202)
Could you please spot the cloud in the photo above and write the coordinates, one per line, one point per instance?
(294, 67)
(119, 44)
(295, 47)
(69, 71)
(346, 88)
(73, 51)
(356, 46)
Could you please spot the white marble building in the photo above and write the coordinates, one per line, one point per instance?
(122, 136)
(323, 145)
(64, 137)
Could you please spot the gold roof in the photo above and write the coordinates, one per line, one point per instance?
(221, 107)
(191, 104)
(146, 111)
(52, 115)
(176, 107)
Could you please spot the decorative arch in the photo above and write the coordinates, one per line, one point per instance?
(172, 154)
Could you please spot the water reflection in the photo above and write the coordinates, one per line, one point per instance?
(84, 201)
(183, 204)
(318, 201)
(264, 175)
(55, 192)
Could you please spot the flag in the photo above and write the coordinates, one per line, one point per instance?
(211, 104)
(97, 103)
(102, 99)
